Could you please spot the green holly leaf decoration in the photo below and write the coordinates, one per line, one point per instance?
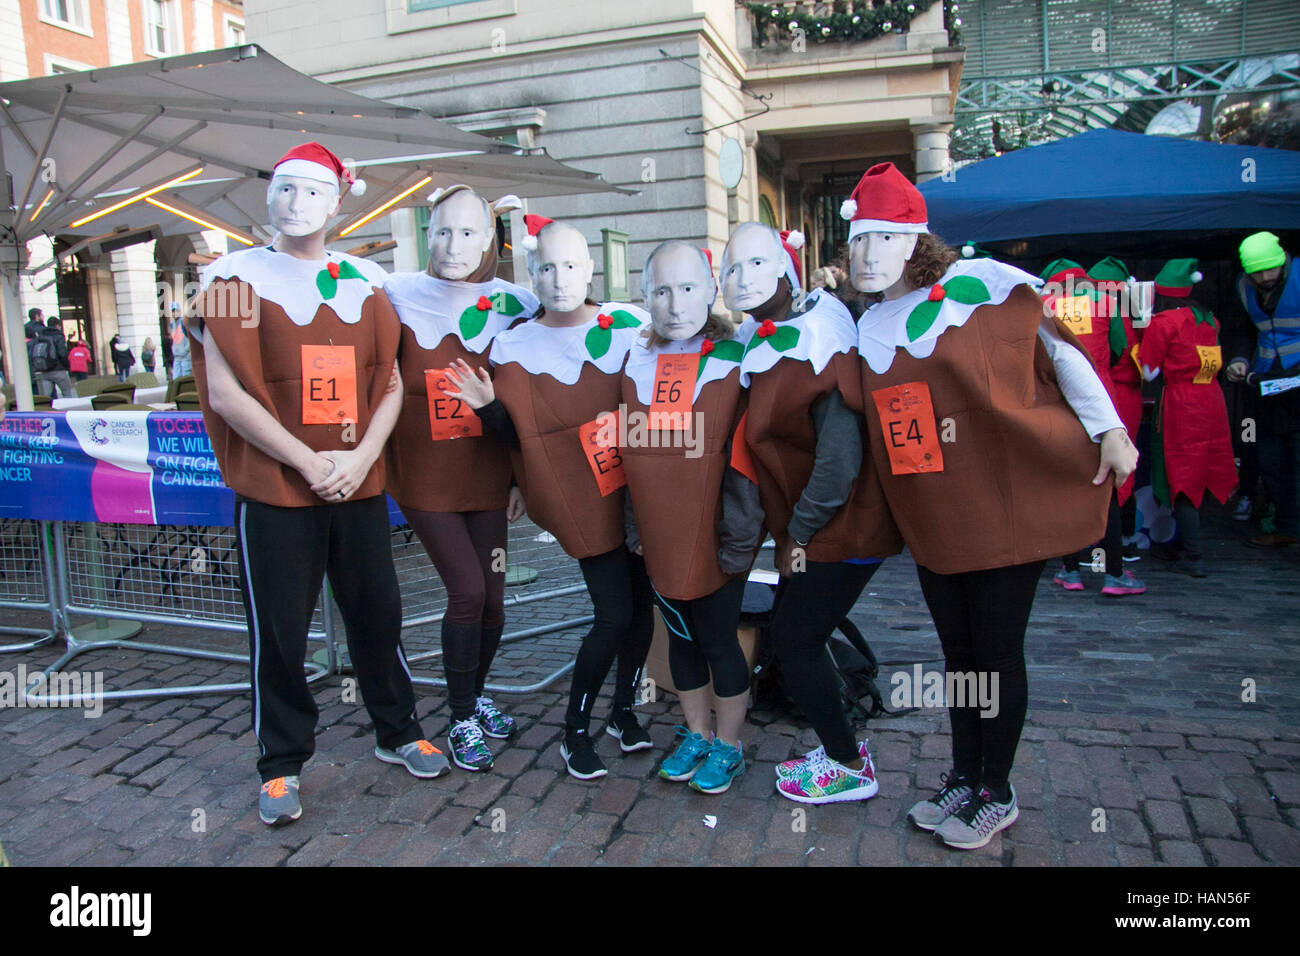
(348, 271)
(472, 321)
(326, 284)
(506, 304)
(598, 341)
(967, 290)
(921, 318)
(784, 338)
(624, 320)
(728, 350)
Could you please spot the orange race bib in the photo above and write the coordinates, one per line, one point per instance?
(599, 439)
(1075, 313)
(670, 400)
(329, 385)
(1133, 353)
(909, 428)
(1211, 361)
(449, 417)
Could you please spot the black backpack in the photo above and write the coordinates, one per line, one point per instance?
(42, 354)
(855, 664)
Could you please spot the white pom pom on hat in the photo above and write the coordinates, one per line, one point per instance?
(795, 239)
(967, 250)
(1197, 276)
(848, 209)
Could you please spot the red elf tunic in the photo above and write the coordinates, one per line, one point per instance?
(1192, 422)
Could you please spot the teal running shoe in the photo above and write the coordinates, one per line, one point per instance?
(723, 764)
(686, 759)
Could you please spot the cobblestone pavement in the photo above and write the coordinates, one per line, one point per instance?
(1136, 710)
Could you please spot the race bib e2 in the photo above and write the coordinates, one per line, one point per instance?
(449, 417)
(909, 428)
(329, 384)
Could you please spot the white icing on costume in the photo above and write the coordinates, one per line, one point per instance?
(432, 308)
(290, 282)
(825, 330)
(643, 361)
(882, 330)
(562, 351)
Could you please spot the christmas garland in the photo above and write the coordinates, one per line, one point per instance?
(859, 20)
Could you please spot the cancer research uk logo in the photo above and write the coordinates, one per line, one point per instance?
(77, 909)
(102, 431)
(99, 431)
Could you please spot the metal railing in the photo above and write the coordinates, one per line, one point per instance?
(25, 580)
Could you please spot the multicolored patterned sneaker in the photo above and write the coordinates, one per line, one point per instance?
(928, 814)
(723, 764)
(790, 768)
(976, 820)
(686, 759)
(468, 751)
(1070, 580)
(825, 781)
(494, 723)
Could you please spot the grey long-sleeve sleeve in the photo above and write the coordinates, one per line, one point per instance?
(835, 467)
(741, 528)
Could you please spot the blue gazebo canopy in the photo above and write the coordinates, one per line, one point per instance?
(1105, 181)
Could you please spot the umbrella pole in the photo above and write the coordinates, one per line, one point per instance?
(15, 342)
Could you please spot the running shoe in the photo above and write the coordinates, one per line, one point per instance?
(1244, 508)
(973, 824)
(686, 759)
(825, 781)
(1122, 585)
(631, 736)
(277, 801)
(420, 758)
(580, 756)
(468, 749)
(494, 723)
(790, 768)
(1070, 580)
(929, 813)
(723, 764)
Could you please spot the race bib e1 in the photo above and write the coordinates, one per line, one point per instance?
(599, 439)
(674, 387)
(449, 417)
(329, 385)
(1075, 313)
(1211, 357)
(909, 428)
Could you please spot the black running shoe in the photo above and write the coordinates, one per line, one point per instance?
(631, 736)
(580, 756)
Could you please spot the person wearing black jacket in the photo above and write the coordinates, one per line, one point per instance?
(54, 357)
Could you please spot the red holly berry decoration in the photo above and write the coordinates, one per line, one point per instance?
(483, 304)
(937, 292)
(604, 321)
(706, 347)
(333, 268)
(767, 328)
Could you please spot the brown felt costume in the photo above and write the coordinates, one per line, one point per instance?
(266, 359)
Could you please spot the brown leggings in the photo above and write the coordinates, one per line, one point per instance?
(461, 544)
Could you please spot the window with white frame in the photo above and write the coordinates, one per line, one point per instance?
(73, 14)
(60, 64)
(234, 31)
(160, 27)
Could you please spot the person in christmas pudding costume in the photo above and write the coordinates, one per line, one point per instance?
(555, 381)
(452, 481)
(1073, 296)
(982, 413)
(1191, 443)
(821, 503)
(294, 363)
(691, 512)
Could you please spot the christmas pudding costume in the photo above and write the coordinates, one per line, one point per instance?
(451, 480)
(313, 343)
(972, 359)
(1191, 443)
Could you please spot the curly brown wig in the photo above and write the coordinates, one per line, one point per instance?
(717, 328)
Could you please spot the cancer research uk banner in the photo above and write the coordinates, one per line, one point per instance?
(129, 467)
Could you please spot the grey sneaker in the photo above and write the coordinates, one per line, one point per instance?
(419, 757)
(976, 820)
(277, 801)
(928, 814)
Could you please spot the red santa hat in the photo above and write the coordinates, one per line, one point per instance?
(535, 225)
(884, 201)
(792, 240)
(314, 161)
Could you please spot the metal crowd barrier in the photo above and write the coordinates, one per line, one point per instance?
(26, 579)
(189, 577)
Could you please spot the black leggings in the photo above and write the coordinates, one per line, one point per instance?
(981, 617)
(1112, 544)
(807, 609)
(468, 551)
(622, 604)
(702, 640)
(1188, 518)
